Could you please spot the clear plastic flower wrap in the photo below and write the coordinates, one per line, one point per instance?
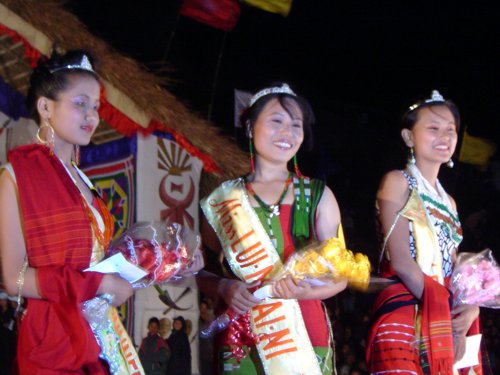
(316, 264)
(162, 252)
(328, 260)
(96, 311)
(476, 280)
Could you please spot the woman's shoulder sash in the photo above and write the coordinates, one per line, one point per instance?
(246, 244)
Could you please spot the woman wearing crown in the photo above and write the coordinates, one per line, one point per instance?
(414, 331)
(53, 225)
(259, 220)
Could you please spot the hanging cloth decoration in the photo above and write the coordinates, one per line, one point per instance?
(274, 6)
(220, 14)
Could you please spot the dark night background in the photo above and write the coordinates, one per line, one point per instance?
(360, 64)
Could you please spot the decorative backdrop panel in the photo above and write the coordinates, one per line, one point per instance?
(168, 180)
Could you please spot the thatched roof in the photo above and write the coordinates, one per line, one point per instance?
(131, 88)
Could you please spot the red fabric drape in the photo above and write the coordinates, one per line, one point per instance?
(54, 336)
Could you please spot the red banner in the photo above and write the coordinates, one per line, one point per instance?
(220, 14)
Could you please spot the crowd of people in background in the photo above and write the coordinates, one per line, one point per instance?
(349, 315)
(350, 318)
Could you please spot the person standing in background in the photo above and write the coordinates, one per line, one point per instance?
(154, 352)
(180, 349)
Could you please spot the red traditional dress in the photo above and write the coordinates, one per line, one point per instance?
(411, 336)
(61, 241)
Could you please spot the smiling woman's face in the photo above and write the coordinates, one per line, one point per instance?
(434, 135)
(278, 134)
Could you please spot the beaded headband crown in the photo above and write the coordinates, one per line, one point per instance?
(436, 97)
(283, 89)
(84, 64)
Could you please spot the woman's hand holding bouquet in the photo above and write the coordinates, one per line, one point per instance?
(148, 253)
(476, 280)
(319, 264)
(475, 283)
(315, 265)
(164, 251)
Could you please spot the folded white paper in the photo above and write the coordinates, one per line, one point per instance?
(264, 292)
(118, 264)
(470, 357)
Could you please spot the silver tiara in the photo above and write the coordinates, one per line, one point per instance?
(436, 97)
(283, 89)
(84, 64)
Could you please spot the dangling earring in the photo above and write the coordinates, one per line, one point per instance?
(296, 166)
(76, 155)
(450, 163)
(411, 159)
(252, 161)
(250, 145)
(49, 138)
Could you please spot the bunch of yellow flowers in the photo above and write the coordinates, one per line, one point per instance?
(330, 259)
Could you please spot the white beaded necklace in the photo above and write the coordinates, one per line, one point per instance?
(424, 186)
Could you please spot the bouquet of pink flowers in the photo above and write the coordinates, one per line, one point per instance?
(476, 280)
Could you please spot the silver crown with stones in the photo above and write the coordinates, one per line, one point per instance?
(84, 64)
(283, 89)
(436, 97)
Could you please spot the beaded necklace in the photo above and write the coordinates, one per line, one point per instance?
(438, 194)
(103, 237)
(270, 210)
